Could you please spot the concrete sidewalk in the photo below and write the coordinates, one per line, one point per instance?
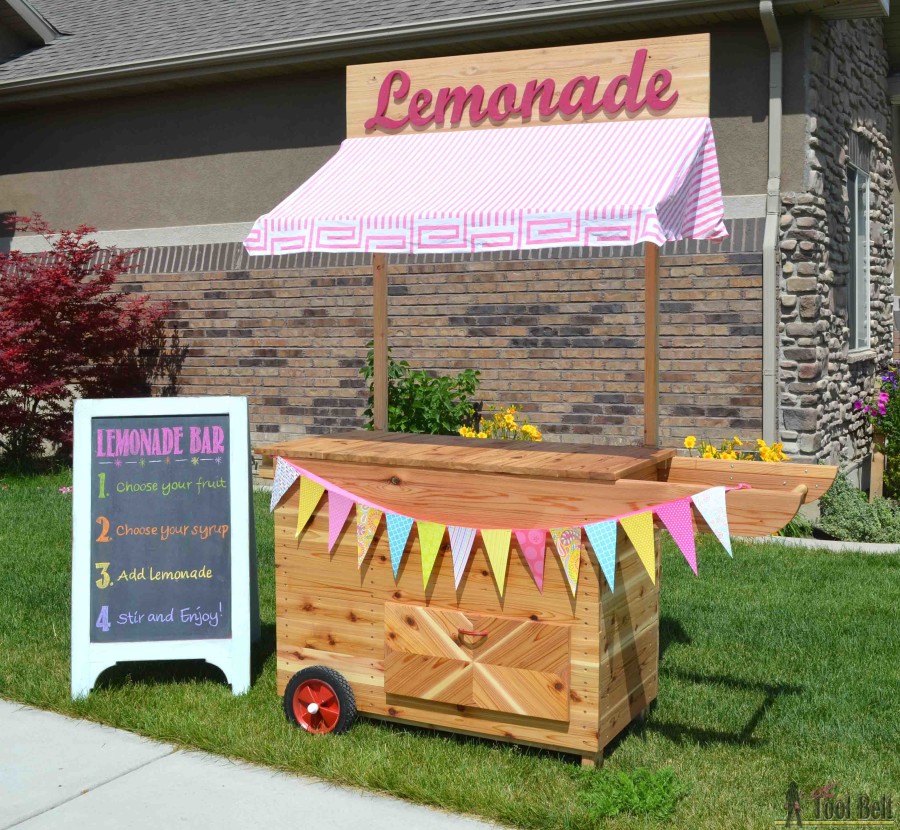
(56, 772)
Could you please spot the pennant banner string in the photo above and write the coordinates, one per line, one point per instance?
(335, 489)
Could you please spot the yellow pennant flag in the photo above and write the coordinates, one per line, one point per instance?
(367, 519)
(310, 493)
(431, 535)
(640, 530)
(496, 543)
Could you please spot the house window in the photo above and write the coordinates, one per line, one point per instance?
(858, 282)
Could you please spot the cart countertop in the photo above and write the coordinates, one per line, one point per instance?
(589, 462)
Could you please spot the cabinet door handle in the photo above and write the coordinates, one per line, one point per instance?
(466, 631)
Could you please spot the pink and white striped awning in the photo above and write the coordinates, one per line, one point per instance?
(589, 185)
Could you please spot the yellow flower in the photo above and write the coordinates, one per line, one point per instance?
(510, 420)
(482, 435)
(760, 442)
(730, 455)
(690, 442)
(709, 452)
(738, 441)
(467, 432)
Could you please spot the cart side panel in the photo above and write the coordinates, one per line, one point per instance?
(629, 665)
(330, 612)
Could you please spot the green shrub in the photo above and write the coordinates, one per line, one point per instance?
(638, 793)
(846, 514)
(798, 527)
(420, 402)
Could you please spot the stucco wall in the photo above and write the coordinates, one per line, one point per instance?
(228, 152)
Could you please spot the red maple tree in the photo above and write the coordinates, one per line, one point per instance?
(66, 331)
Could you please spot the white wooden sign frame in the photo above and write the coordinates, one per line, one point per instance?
(231, 655)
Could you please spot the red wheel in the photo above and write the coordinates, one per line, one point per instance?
(320, 700)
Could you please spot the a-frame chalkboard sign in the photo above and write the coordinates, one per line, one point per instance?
(163, 549)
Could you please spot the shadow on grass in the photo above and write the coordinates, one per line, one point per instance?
(161, 672)
(672, 633)
(475, 740)
(682, 733)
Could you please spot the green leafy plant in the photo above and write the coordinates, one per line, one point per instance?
(847, 514)
(798, 527)
(421, 402)
(638, 793)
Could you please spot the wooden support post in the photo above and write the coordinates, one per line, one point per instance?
(380, 321)
(876, 475)
(651, 345)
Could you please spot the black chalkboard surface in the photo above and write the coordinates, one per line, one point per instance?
(163, 546)
(161, 550)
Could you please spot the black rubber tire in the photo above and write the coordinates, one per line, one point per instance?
(338, 683)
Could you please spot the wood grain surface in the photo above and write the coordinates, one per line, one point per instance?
(451, 452)
(489, 500)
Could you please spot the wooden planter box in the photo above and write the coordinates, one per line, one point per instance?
(545, 669)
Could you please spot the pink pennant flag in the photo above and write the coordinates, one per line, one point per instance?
(679, 521)
(461, 539)
(338, 510)
(533, 544)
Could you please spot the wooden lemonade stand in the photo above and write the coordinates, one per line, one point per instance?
(461, 594)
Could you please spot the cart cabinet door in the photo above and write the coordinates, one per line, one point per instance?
(423, 655)
(521, 666)
(502, 664)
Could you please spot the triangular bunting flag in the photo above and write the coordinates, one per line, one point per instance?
(568, 547)
(602, 536)
(677, 518)
(338, 510)
(461, 539)
(711, 504)
(310, 493)
(285, 475)
(533, 544)
(640, 530)
(430, 536)
(367, 519)
(496, 543)
(398, 532)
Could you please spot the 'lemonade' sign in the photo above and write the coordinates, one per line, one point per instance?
(653, 78)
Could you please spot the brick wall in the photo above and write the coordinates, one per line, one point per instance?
(563, 338)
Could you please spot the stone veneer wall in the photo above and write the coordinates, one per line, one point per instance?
(563, 338)
(820, 379)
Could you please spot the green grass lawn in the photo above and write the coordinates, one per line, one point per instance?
(777, 665)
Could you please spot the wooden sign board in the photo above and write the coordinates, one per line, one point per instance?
(657, 78)
(163, 550)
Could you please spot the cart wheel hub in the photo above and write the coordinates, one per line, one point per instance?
(316, 706)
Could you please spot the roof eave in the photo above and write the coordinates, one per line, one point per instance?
(303, 51)
(38, 27)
